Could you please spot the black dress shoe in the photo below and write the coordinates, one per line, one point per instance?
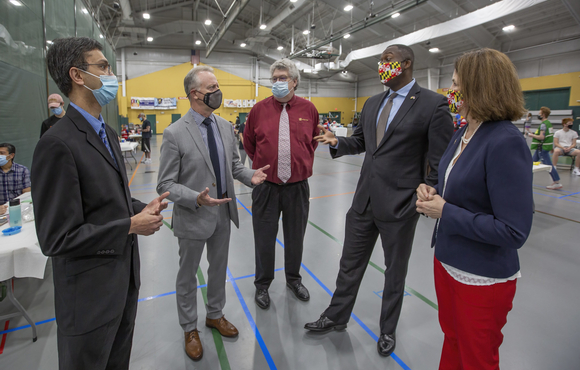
(262, 298)
(386, 344)
(299, 291)
(324, 324)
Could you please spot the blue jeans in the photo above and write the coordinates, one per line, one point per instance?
(544, 157)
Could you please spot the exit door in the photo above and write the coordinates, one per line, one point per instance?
(153, 119)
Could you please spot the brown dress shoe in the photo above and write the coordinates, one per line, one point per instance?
(193, 346)
(223, 326)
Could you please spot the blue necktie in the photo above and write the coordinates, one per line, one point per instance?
(103, 136)
(213, 155)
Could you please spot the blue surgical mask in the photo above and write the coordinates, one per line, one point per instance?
(280, 89)
(3, 160)
(57, 111)
(108, 91)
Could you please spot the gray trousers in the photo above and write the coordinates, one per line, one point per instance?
(243, 156)
(190, 251)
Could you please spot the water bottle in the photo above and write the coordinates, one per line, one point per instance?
(15, 213)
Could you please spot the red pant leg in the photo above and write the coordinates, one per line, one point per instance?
(479, 313)
(446, 302)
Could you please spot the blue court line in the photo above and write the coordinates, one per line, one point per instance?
(26, 326)
(564, 196)
(265, 351)
(555, 197)
(366, 328)
(139, 300)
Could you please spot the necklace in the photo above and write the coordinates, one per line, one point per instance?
(466, 141)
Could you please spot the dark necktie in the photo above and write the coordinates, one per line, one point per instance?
(384, 118)
(103, 136)
(213, 155)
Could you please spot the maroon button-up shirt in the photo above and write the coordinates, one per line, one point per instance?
(261, 136)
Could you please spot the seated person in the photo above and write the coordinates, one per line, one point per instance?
(14, 177)
(565, 144)
(125, 133)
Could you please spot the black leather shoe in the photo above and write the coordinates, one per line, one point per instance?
(324, 324)
(262, 298)
(386, 344)
(299, 291)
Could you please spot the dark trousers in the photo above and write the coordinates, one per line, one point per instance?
(362, 231)
(269, 200)
(105, 348)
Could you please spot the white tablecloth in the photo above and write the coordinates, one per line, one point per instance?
(339, 131)
(20, 254)
(128, 146)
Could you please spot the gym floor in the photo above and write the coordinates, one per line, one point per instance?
(542, 331)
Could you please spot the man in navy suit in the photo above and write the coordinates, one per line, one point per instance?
(404, 131)
(85, 217)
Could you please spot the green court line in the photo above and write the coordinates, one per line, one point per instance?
(217, 338)
(378, 268)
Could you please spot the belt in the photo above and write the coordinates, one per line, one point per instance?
(285, 183)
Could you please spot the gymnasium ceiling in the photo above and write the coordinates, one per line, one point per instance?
(180, 23)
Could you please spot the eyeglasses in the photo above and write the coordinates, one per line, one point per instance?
(281, 79)
(104, 67)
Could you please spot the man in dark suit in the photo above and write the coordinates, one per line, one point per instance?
(404, 131)
(85, 217)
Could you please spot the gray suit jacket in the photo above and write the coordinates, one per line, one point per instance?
(185, 170)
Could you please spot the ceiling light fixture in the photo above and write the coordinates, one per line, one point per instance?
(49, 42)
(293, 1)
(100, 35)
(263, 26)
(306, 32)
(198, 42)
(346, 36)
(434, 50)
(280, 47)
(207, 22)
(396, 15)
(16, 2)
(146, 15)
(149, 38)
(348, 8)
(243, 44)
(85, 11)
(509, 28)
(314, 72)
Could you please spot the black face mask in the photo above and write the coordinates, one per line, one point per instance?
(213, 99)
(539, 117)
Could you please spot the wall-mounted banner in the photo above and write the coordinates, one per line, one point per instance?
(153, 103)
(239, 103)
(142, 103)
(165, 103)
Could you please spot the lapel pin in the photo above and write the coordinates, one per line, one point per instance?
(412, 98)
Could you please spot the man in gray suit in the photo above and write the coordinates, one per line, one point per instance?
(198, 164)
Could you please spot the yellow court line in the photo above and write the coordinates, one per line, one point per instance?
(138, 164)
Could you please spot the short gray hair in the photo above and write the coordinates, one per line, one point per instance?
(286, 65)
(191, 81)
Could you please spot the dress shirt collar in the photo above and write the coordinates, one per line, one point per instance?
(200, 118)
(403, 91)
(289, 103)
(95, 123)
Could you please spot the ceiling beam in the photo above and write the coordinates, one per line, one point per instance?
(225, 24)
(574, 9)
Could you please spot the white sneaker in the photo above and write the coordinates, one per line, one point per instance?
(148, 161)
(576, 171)
(554, 186)
(144, 160)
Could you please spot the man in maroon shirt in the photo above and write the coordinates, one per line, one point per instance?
(280, 132)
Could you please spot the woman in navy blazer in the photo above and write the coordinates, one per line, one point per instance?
(484, 206)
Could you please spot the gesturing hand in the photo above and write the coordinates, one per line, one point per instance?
(203, 199)
(157, 205)
(326, 137)
(259, 176)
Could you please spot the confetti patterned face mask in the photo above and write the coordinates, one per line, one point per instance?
(388, 71)
(455, 100)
